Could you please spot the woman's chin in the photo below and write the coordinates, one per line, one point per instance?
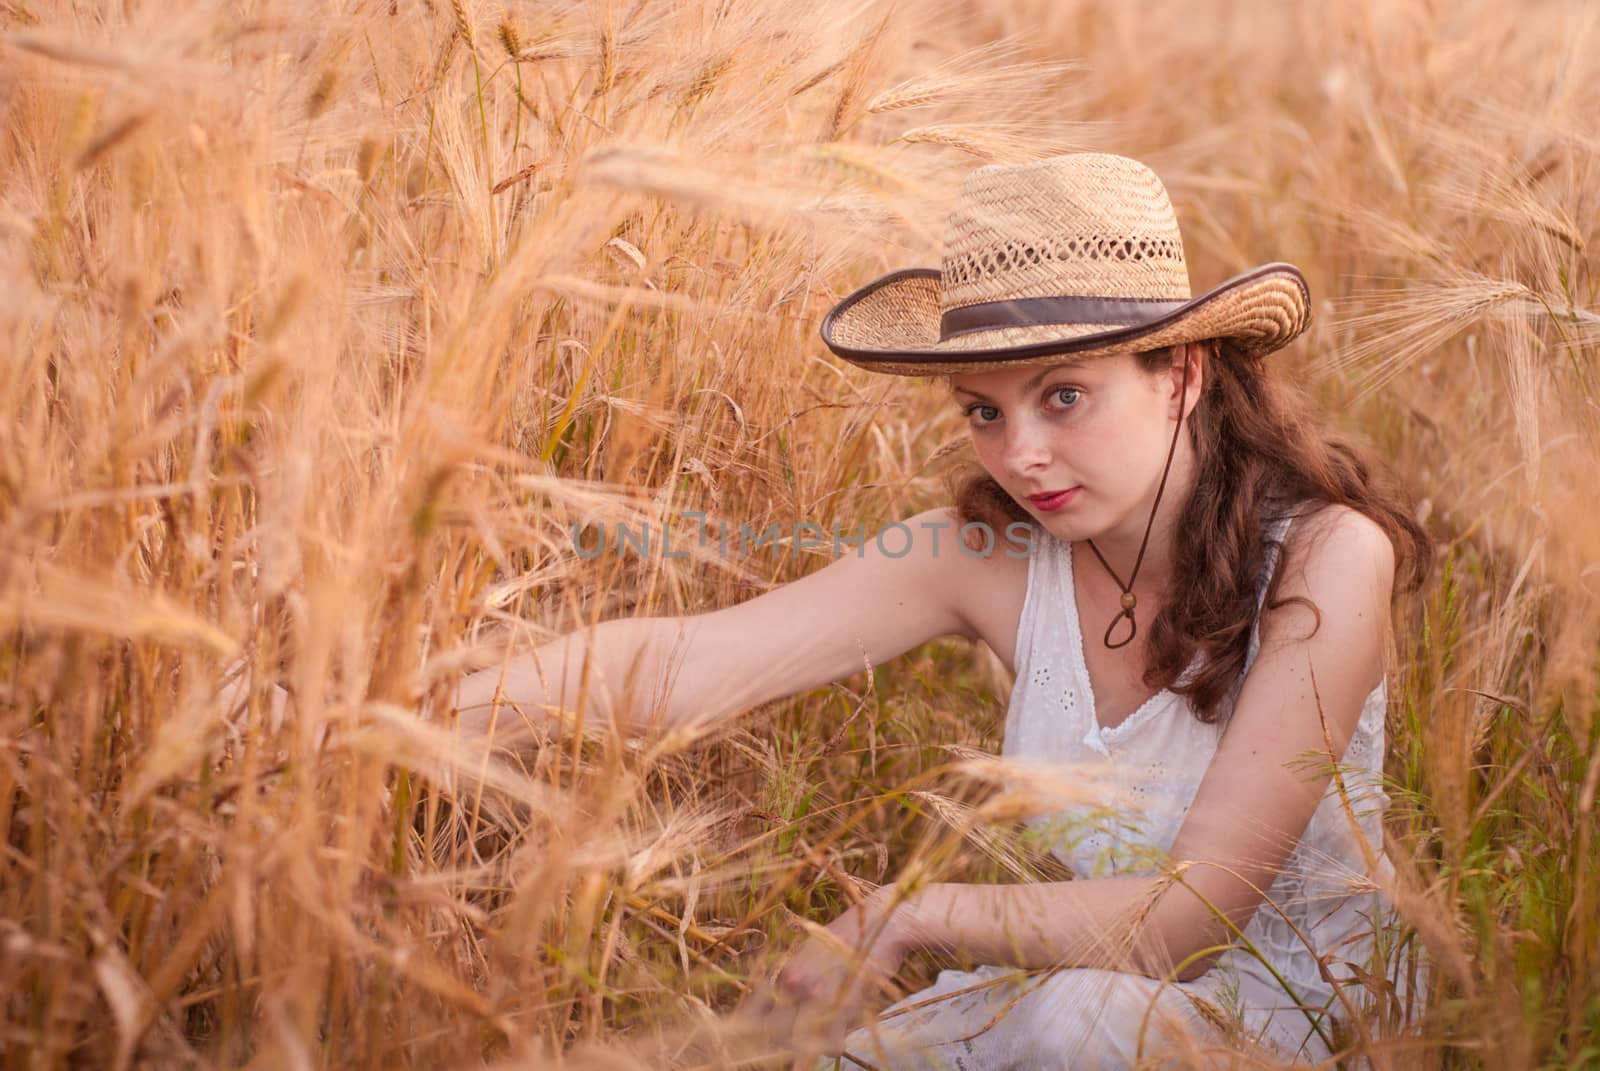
(1071, 526)
(1059, 527)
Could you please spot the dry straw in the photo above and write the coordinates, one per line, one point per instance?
(284, 393)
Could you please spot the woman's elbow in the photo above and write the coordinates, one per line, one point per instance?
(1197, 965)
(1177, 963)
(1190, 937)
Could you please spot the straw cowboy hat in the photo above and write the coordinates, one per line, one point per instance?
(1067, 258)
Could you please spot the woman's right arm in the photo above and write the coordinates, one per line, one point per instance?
(645, 675)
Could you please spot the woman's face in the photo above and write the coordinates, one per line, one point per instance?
(1099, 430)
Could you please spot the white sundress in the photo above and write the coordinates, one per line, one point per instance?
(1090, 1018)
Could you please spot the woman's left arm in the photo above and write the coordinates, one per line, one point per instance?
(1302, 696)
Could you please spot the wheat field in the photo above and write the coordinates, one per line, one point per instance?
(324, 325)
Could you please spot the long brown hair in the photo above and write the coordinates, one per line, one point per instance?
(1260, 450)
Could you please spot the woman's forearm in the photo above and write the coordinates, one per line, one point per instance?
(1117, 923)
(616, 674)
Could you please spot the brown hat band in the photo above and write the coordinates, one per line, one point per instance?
(1043, 311)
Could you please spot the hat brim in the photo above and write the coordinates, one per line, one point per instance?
(892, 325)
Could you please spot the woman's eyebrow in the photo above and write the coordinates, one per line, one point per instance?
(1033, 381)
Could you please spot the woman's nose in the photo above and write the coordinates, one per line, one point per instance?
(1027, 447)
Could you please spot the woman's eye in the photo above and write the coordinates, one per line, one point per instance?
(986, 413)
(1067, 395)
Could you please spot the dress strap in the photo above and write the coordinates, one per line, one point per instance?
(1027, 626)
(1276, 534)
(1046, 634)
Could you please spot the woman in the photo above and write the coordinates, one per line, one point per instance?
(1233, 604)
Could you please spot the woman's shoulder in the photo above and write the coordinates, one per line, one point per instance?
(1333, 535)
(983, 570)
(1340, 560)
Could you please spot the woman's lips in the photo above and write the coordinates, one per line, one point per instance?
(1054, 500)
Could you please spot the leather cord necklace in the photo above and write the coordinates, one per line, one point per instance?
(1129, 599)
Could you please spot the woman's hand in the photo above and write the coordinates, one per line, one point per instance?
(836, 973)
(235, 693)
